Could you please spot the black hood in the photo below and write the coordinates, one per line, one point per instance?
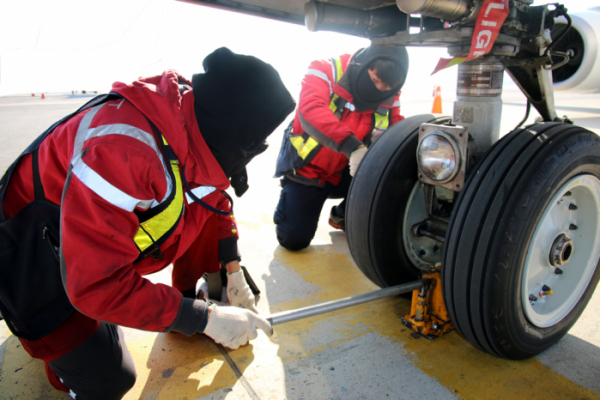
(365, 94)
(239, 100)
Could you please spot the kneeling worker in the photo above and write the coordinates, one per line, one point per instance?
(137, 182)
(345, 104)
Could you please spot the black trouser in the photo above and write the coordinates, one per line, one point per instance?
(297, 213)
(101, 368)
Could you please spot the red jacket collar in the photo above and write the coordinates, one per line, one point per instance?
(201, 161)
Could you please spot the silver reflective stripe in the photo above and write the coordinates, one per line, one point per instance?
(321, 75)
(102, 188)
(97, 183)
(350, 106)
(396, 103)
(83, 127)
(200, 192)
(71, 393)
(136, 133)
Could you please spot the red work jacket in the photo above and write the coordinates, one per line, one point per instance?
(103, 283)
(339, 137)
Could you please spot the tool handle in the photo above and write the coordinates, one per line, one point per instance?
(317, 309)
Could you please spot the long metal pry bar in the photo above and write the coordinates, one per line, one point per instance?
(317, 309)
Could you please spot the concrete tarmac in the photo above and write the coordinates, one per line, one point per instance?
(363, 352)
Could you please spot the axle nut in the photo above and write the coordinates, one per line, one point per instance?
(561, 251)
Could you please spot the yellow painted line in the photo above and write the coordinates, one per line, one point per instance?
(173, 366)
(463, 369)
(472, 374)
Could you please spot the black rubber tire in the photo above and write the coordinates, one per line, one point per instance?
(377, 201)
(490, 230)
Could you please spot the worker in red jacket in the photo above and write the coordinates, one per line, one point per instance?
(345, 104)
(139, 177)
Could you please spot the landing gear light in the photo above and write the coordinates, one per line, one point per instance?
(441, 155)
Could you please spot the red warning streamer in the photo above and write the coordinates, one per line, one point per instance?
(491, 16)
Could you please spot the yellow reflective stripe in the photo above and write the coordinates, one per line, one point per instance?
(142, 240)
(381, 121)
(338, 72)
(157, 226)
(339, 69)
(303, 148)
(332, 105)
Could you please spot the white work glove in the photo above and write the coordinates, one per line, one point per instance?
(234, 326)
(239, 293)
(355, 158)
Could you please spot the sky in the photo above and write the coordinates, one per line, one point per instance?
(65, 45)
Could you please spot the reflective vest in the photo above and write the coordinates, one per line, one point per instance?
(41, 275)
(38, 258)
(305, 144)
(159, 217)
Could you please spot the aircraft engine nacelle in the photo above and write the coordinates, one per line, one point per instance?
(582, 72)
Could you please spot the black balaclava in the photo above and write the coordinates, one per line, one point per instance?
(239, 100)
(365, 94)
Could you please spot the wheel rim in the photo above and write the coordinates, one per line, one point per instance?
(563, 252)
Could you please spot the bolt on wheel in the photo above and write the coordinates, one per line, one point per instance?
(563, 252)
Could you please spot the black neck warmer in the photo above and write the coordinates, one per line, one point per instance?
(238, 101)
(365, 94)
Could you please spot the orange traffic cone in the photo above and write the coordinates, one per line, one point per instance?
(437, 101)
(43, 96)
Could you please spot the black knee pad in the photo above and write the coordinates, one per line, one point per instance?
(292, 240)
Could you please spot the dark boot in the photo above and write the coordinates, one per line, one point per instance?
(337, 218)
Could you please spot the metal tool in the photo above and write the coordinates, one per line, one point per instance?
(317, 309)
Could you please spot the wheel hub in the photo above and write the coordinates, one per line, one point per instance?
(423, 252)
(561, 251)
